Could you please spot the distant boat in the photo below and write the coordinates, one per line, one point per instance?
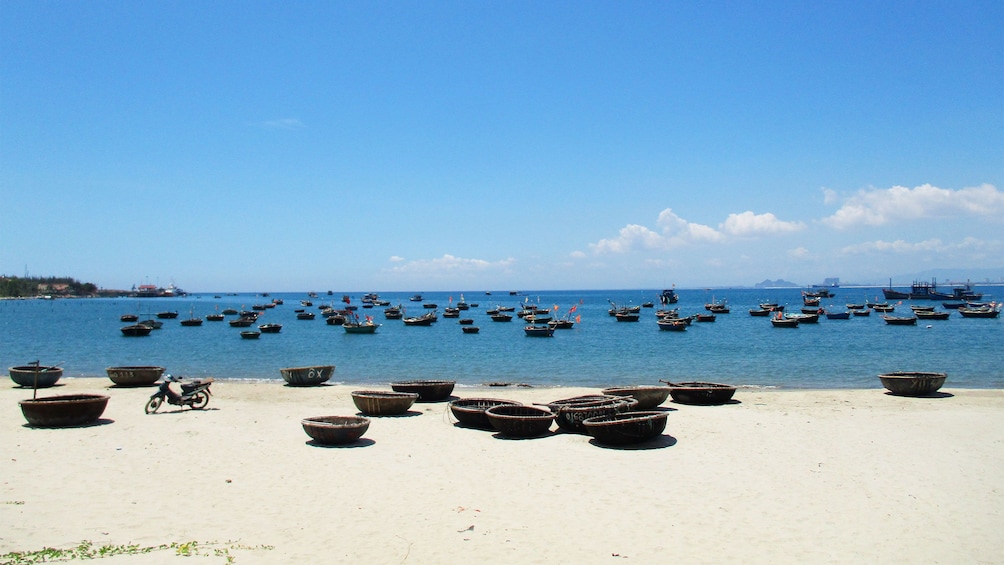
(991, 310)
(705, 317)
(470, 329)
(168, 315)
(192, 322)
(501, 317)
(128, 317)
(136, 330)
(416, 298)
(900, 320)
(305, 316)
(423, 320)
(863, 312)
(779, 320)
(250, 334)
(367, 327)
(538, 331)
(672, 324)
(838, 315)
(931, 315)
(668, 296)
(270, 328)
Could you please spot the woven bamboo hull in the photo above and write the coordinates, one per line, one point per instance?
(64, 411)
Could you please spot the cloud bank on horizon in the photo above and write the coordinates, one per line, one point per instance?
(857, 215)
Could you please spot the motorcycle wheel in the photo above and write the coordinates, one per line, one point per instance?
(200, 400)
(154, 404)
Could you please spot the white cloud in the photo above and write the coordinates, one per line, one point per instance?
(799, 253)
(675, 232)
(448, 264)
(933, 245)
(395, 259)
(749, 224)
(876, 207)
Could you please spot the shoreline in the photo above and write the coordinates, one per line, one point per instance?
(780, 475)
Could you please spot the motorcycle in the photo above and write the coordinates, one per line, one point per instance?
(194, 394)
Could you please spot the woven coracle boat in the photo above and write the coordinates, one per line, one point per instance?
(569, 417)
(135, 376)
(382, 403)
(307, 376)
(648, 397)
(520, 421)
(335, 430)
(64, 411)
(626, 428)
(470, 412)
(25, 376)
(701, 393)
(906, 383)
(428, 390)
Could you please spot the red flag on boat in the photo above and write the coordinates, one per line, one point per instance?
(578, 318)
(572, 309)
(346, 299)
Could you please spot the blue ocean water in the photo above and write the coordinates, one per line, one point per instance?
(83, 336)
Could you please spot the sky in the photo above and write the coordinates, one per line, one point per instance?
(441, 145)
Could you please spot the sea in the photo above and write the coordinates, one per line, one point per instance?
(83, 337)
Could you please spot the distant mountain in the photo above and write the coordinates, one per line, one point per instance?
(779, 283)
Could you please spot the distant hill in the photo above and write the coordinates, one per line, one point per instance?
(779, 283)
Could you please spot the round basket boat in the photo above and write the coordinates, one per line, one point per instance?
(25, 376)
(335, 430)
(428, 391)
(705, 394)
(569, 417)
(134, 376)
(583, 400)
(307, 376)
(627, 427)
(64, 411)
(471, 411)
(648, 397)
(380, 403)
(520, 421)
(907, 383)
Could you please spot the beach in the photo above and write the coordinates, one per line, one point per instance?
(777, 476)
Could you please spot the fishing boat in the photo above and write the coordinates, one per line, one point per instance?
(128, 317)
(804, 318)
(900, 320)
(760, 312)
(360, 327)
(668, 296)
(136, 330)
(423, 320)
(190, 322)
(781, 321)
(838, 315)
(931, 315)
(393, 313)
(250, 334)
(893, 294)
(538, 331)
(672, 324)
(216, 317)
(626, 316)
(167, 315)
(705, 317)
(270, 328)
(305, 316)
(991, 310)
(151, 323)
(501, 317)
(862, 312)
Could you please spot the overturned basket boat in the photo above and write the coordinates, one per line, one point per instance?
(520, 421)
(648, 397)
(381, 403)
(428, 390)
(626, 428)
(906, 383)
(570, 414)
(335, 430)
(307, 376)
(64, 411)
(134, 376)
(470, 412)
(701, 393)
(31, 376)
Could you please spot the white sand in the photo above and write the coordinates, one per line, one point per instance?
(781, 477)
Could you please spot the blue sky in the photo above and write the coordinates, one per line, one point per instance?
(499, 145)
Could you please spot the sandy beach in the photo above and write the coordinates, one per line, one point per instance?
(778, 477)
